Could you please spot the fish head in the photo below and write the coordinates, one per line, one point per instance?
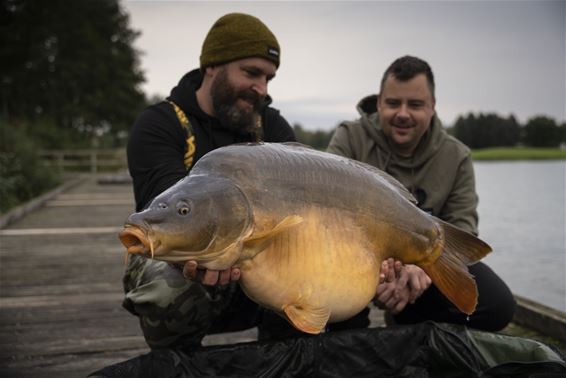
(195, 219)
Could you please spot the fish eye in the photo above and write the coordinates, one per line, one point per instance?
(183, 208)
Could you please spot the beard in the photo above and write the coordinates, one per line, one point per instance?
(224, 100)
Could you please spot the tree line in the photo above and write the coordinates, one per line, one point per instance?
(490, 130)
(477, 131)
(70, 78)
(70, 75)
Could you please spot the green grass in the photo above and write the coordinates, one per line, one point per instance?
(519, 153)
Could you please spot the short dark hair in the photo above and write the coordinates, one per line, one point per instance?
(406, 68)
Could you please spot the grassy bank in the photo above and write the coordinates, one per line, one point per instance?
(519, 153)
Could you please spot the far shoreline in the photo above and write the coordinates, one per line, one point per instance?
(518, 153)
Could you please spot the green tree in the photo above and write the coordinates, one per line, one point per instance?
(463, 129)
(487, 130)
(22, 175)
(318, 139)
(542, 131)
(70, 64)
(563, 133)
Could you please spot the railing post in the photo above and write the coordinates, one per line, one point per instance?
(93, 161)
(60, 158)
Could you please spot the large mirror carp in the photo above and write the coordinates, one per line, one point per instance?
(308, 230)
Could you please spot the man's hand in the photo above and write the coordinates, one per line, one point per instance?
(419, 281)
(399, 285)
(392, 293)
(208, 276)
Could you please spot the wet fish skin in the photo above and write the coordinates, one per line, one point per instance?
(199, 215)
(308, 230)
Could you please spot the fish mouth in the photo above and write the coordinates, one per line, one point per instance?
(137, 240)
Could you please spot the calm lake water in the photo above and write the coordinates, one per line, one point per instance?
(522, 216)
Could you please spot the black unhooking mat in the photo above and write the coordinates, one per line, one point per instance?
(422, 350)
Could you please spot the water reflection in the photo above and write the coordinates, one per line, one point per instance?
(522, 215)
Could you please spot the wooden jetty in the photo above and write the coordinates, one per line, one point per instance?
(60, 284)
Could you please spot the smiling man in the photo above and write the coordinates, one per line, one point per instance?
(399, 132)
(223, 102)
(406, 108)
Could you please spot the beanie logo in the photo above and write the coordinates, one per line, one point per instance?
(273, 51)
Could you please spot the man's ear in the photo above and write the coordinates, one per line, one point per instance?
(210, 71)
(377, 102)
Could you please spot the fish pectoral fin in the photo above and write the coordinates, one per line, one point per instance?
(260, 241)
(287, 222)
(306, 318)
(225, 258)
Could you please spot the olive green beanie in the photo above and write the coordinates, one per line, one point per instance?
(237, 36)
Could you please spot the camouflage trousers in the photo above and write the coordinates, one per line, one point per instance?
(174, 311)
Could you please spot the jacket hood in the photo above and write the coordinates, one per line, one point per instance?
(185, 94)
(430, 143)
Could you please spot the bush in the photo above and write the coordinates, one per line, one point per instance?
(22, 176)
(542, 131)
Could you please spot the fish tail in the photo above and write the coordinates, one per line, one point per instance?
(450, 273)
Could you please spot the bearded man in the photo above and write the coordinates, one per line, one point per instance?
(223, 102)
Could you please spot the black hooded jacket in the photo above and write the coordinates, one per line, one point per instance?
(157, 142)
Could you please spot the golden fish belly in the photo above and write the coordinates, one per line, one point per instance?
(323, 263)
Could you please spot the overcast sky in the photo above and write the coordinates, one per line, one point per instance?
(506, 57)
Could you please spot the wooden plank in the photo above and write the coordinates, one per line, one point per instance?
(9, 303)
(65, 344)
(70, 288)
(61, 290)
(70, 365)
(540, 318)
(93, 196)
(60, 231)
(19, 212)
(92, 202)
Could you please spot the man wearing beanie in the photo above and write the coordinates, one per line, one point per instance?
(223, 102)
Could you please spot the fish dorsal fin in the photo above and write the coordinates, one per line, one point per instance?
(260, 241)
(393, 183)
(389, 180)
(307, 318)
(297, 145)
(382, 176)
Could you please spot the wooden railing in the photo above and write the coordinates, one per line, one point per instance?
(91, 160)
